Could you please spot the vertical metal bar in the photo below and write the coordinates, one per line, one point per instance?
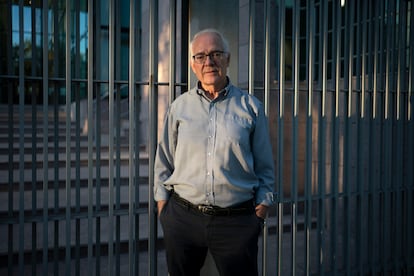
(280, 181)
(357, 163)
(266, 107)
(117, 158)
(76, 57)
(267, 56)
(153, 111)
(98, 140)
(411, 70)
(172, 60)
(375, 72)
(56, 88)
(11, 154)
(45, 79)
(91, 128)
(401, 43)
(363, 21)
(387, 134)
(372, 176)
(98, 206)
(68, 78)
(323, 38)
(361, 120)
(308, 160)
(133, 153)
(136, 194)
(21, 137)
(252, 19)
(381, 117)
(111, 70)
(336, 37)
(117, 129)
(410, 149)
(349, 8)
(371, 229)
(294, 181)
(376, 119)
(389, 17)
(33, 87)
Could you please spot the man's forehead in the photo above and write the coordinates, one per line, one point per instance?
(207, 40)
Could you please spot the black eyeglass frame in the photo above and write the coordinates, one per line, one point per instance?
(203, 57)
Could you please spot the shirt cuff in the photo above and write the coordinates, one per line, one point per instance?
(161, 193)
(270, 198)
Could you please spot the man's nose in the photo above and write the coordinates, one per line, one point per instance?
(209, 60)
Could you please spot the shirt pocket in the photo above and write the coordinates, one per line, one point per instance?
(238, 129)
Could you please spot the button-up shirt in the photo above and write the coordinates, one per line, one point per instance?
(215, 152)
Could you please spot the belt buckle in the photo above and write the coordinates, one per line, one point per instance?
(206, 209)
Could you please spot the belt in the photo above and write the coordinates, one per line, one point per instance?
(244, 208)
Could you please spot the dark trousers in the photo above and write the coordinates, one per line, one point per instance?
(188, 234)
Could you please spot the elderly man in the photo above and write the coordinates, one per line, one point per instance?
(214, 173)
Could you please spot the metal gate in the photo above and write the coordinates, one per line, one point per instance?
(83, 85)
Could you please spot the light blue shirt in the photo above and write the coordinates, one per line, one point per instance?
(215, 152)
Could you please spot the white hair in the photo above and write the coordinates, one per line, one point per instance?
(223, 40)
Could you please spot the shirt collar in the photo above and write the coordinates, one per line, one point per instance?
(223, 93)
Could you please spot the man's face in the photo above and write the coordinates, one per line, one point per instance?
(213, 71)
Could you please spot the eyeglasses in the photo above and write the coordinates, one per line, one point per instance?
(215, 55)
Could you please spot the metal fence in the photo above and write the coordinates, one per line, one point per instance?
(336, 78)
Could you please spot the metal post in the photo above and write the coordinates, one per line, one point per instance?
(295, 124)
(266, 107)
(387, 142)
(281, 23)
(410, 149)
(361, 120)
(21, 91)
(323, 40)
(252, 19)
(45, 76)
(349, 8)
(308, 167)
(335, 144)
(133, 154)
(111, 86)
(172, 59)
(68, 78)
(153, 111)
(91, 128)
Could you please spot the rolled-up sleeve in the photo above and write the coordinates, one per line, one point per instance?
(164, 158)
(263, 160)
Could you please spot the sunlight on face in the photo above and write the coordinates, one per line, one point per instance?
(213, 71)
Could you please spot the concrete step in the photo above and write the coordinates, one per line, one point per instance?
(40, 149)
(76, 158)
(60, 174)
(28, 129)
(39, 139)
(81, 222)
(79, 198)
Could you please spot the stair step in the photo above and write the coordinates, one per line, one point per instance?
(37, 199)
(81, 173)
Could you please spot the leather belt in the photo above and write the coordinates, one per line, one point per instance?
(244, 208)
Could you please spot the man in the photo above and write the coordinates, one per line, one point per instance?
(214, 169)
